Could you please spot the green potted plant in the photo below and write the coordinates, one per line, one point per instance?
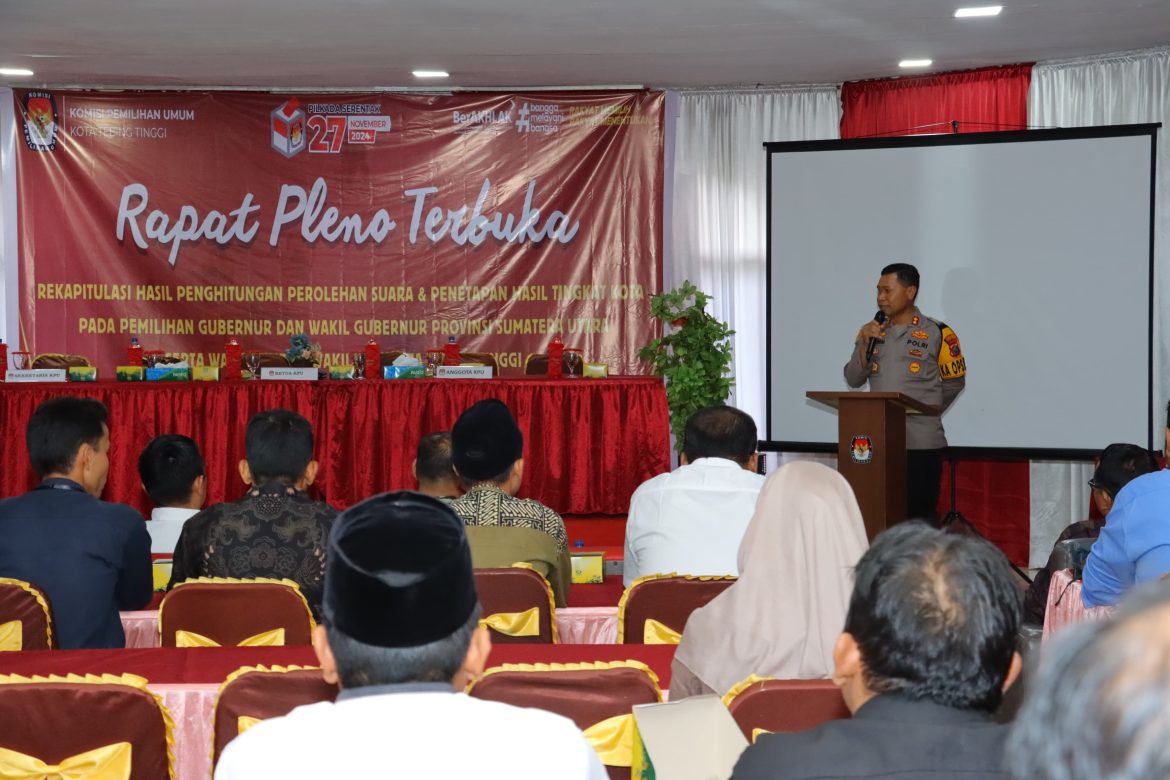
(693, 354)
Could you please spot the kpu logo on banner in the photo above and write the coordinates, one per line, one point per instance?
(40, 121)
(288, 128)
(323, 128)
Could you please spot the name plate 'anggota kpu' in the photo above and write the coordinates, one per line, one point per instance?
(464, 372)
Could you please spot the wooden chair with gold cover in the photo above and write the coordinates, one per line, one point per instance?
(763, 705)
(57, 360)
(255, 693)
(518, 605)
(221, 611)
(26, 619)
(599, 697)
(109, 727)
(536, 364)
(655, 608)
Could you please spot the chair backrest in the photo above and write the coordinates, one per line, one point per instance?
(26, 618)
(599, 697)
(212, 611)
(255, 693)
(762, 703)
(272, 359)
(1071, 554)
(58, 719)
(55, 360)
(486, 358)
(655, 608)
(517, 605)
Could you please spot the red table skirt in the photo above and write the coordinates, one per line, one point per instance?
(587, 443)
(168, 665)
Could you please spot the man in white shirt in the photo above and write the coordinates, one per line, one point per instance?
(691, 520)
(172, 474)
(402, 637)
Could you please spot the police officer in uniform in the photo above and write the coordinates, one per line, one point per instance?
(920, 357)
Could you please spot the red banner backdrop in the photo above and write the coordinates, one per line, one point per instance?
(184, 219)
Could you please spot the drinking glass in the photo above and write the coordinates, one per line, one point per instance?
(252, 363)
(359, 365)
(20, 360)
(574, 361)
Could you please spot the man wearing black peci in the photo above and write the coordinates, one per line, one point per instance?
(904, 351)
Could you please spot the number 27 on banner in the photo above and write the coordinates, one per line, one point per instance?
(327, 133)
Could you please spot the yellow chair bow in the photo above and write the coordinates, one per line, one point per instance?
(613, 739)
(11, 636)
(245, 722)
(655, 633)
(526, 623)
(110, 762)
(272, 638)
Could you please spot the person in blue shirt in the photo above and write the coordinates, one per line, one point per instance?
(90, 557)
(1134, 545)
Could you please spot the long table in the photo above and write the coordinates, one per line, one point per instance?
(187, 680)
(587, 443)
(575, 626)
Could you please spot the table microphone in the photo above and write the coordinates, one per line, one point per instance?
(879, 318)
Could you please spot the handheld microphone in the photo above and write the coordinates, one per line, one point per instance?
(879, 318)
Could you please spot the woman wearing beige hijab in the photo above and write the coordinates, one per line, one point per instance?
(784, 614)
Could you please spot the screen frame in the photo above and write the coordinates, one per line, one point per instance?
(772, 148)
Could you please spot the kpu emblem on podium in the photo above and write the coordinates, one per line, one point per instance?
(861, 449)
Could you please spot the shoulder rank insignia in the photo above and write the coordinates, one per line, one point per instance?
(915, 320)
(874, 368)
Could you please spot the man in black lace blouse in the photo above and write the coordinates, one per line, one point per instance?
(275, 530)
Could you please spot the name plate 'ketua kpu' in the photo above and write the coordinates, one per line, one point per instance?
(294, 373)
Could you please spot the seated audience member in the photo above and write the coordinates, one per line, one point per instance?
(691, 520)
(1097, 706)
(783, 615)
(172, 475)
(401, 637)
(91, 558)
(434, 468)
(488, 451)
(275, 530)
(927, 652)
(1134, 545)
(1116, 466)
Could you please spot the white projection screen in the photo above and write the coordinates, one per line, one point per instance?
(1036, 247)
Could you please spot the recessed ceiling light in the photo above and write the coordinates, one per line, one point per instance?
(430, 74)
(915, 63)
(983, 10)
(15, 72)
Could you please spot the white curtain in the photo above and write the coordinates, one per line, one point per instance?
(1128, 88)
(8, 261)
(718, 207)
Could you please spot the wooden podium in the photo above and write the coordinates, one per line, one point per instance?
(871, 450)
